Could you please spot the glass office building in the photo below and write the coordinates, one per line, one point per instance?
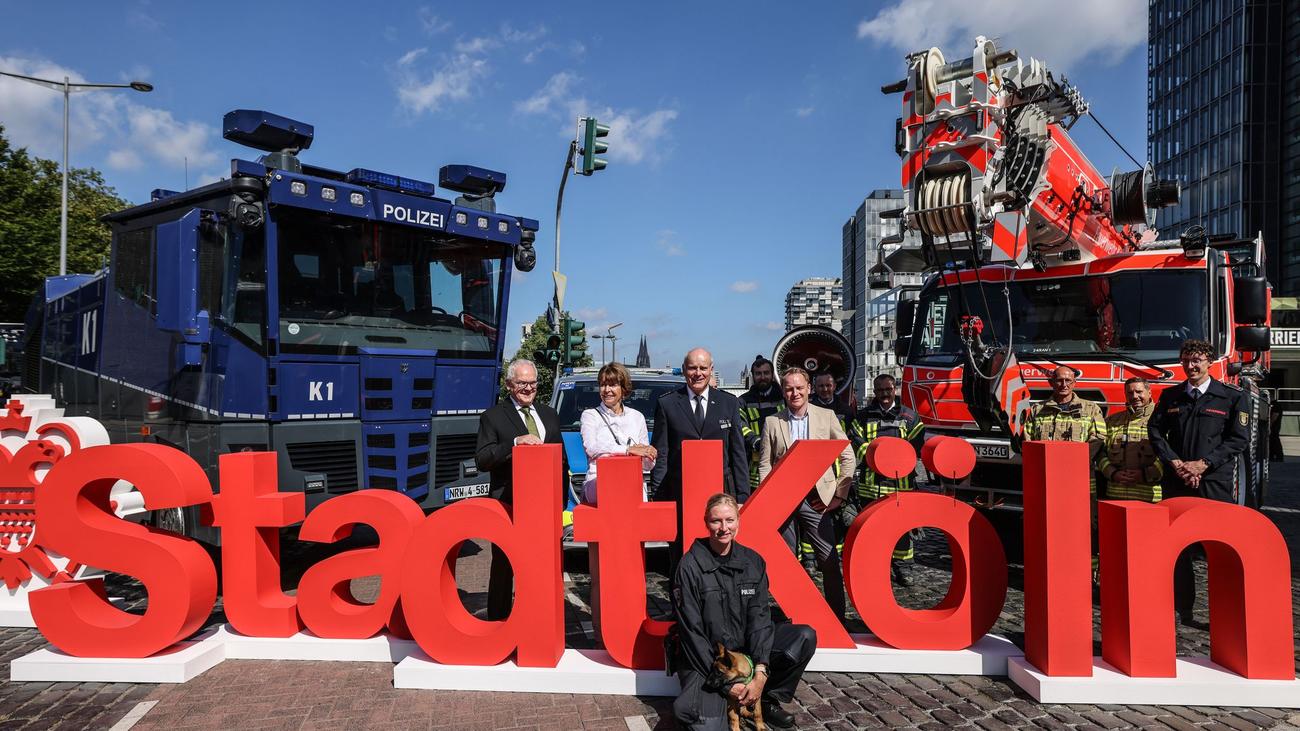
(1223, 118)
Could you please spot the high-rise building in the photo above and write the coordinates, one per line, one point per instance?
(814, 301)
(865, 278)
(1223, 118)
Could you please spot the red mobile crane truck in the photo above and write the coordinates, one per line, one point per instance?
(1036, 260)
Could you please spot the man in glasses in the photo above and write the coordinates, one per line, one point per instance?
(516, 421)
(1198, 429)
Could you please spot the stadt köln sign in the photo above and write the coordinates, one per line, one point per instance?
(76, 509)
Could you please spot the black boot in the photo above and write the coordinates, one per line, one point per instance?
(898, 572)
(776, 716)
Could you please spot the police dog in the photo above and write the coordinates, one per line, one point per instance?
(731, 668)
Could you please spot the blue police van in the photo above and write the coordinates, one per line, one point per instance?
(348, 321)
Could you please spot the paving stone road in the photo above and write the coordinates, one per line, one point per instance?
(249, 694)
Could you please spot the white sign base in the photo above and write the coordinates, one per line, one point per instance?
(988, 656)
(592, 671)
(181, 664)
(1199, 682)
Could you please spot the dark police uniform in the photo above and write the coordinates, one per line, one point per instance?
(725, 599)
(1211, 426)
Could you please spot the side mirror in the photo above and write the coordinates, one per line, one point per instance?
(902, 344)
(905, 317)
(1250, 299)
(177, 254)
(1254, 338)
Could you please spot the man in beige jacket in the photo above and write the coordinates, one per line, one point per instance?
(815, 516)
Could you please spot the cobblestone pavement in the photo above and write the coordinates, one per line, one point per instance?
(309, 695)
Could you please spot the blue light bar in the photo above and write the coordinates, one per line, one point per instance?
(361, 176)
(158, 194)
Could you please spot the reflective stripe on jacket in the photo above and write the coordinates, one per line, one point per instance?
(875, 421)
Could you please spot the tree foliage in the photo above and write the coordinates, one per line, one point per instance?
(30, 192)
(535, 341)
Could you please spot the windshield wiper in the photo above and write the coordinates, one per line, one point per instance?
(1022, 356)
(1165, 373)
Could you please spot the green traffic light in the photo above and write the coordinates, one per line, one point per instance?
(592, 145)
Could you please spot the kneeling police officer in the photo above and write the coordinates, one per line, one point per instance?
(720, 595)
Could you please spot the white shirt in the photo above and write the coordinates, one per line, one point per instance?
(599, 440)
(704, 402)
(798, 427)
(1205, 386)
(537, 419)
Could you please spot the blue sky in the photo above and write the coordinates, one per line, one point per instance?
(745, 134)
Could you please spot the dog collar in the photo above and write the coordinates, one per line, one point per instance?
(751, 670)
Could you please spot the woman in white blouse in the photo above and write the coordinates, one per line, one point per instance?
(612, 428)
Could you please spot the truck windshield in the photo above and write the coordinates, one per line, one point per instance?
(348, 283)
(1145, 314)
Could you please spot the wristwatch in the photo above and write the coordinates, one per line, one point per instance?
(760, 668)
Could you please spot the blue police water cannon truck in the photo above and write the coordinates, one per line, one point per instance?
(351, 322)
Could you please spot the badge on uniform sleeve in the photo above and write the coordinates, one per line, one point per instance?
(1243, 417)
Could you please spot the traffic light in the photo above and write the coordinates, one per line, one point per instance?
(550, 356)
(592, 145)
(574, 340)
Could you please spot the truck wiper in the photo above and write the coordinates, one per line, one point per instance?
(1023, 356)
(1165, 373)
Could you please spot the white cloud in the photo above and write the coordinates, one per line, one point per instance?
(162, 137)
(452, 81)
(411, 55)
(589, 313)
(774, 326)
(1048, 31)
(744, 286)
(522, 35)
(633, 137)
(138, 134)
(552, 93)
(804, 111)
(431, 23)
(667, 243)
(476, 45)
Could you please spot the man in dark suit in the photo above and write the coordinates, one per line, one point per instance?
(1198, 428)
(697, 411)
(516, 421)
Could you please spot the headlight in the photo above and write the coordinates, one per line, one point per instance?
(329, 194)
(297, 187)
(357, 199)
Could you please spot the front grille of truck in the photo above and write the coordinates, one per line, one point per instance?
(336, 460)
(451, 450)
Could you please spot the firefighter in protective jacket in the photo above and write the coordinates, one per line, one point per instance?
(1064, 417)
(1128, 461)
(885, 416)
(762, 400)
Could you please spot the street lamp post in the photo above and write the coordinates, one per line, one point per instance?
(613, 341)
(67, 87)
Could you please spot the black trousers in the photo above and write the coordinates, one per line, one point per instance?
(1184, 576)
(699, 709)
(501, 586)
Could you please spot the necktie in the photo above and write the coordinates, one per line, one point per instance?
(1195, 393)
(699, 411)
(528, 421)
